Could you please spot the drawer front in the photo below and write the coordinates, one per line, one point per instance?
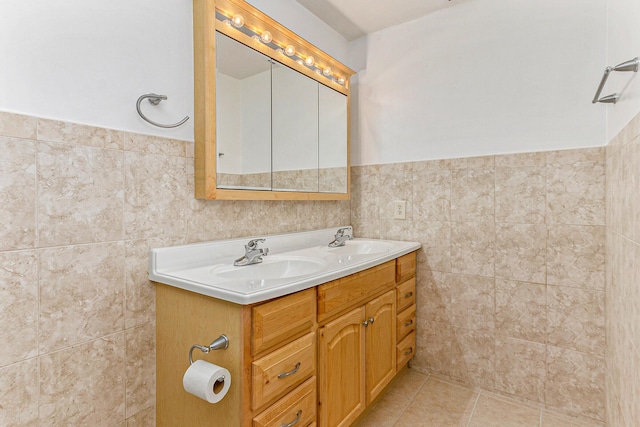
(406, 349)
(405, 267)
(282, 370)
(406, 294)
(277, 321)
(406, 322)
(339, 295)
(298, 405)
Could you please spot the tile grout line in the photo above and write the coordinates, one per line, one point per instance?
(473, 411)
(541, 417)
(412, 399)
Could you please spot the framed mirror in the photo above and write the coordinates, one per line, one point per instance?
(271, 123)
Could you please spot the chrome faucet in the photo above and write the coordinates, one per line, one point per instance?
(252, 255)
(340, 238)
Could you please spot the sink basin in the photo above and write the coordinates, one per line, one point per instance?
(361, 247)
(271, 268)
(296, 261)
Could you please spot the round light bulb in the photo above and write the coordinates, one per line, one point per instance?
(341, 80)
(237, 20)
(289, 50)
(256, 37)
(280, 51)
(227, 22)
(309, 61)
(317, 70)
(266, 37)
(326, 71)
(300, 61)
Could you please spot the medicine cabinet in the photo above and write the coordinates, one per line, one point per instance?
(271, 110)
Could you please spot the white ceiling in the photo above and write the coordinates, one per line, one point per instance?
(355, 18)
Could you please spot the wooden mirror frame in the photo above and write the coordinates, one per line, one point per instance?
(205, 26)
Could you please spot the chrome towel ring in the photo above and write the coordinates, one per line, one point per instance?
(155, 99)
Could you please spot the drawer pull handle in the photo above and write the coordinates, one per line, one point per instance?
(408, 295)
(365, 323)
(408, 352)
(409, 323)
(291, 372)
(371, 320)
(294, 422)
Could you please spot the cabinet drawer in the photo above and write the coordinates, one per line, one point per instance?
(405, 267)
(299, 405)
(406, 349)
(406, 322)
(277, 321)
(282, 370)
(339, 295)
(406, 294)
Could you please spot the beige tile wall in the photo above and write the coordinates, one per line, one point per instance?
(80, 207)
(511, 272)
(623, 277)
(511, 286)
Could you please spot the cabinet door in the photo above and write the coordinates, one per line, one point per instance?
(380, 343)
(341, 353)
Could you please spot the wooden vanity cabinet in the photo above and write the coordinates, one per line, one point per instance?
(271, 358)
(341, 369)
(321, 355)
(406, 309)
(356, 350)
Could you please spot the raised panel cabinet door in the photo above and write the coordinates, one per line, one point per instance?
(341, 363)
(380, 339)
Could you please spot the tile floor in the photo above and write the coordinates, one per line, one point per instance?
(417, 399)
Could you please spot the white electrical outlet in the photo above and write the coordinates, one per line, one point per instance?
(399, 209)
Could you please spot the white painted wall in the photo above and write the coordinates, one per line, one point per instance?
(623, 43)
(298, 19)
(483, 77)
(87, 61)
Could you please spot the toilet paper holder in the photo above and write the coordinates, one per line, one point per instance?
(220, 343)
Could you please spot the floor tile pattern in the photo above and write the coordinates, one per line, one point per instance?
(417, 400)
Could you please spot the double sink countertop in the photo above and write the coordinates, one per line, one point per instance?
(296, 261)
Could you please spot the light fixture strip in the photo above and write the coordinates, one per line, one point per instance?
(233, 20)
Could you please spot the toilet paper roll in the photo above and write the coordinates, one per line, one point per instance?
(207, 381)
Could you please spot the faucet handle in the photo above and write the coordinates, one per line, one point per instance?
(340, 232)
(254, 243)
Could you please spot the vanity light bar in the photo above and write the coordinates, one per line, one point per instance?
(237, 21)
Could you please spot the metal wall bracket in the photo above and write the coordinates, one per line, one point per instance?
(630, 65)
(220, 343)
(154, 99)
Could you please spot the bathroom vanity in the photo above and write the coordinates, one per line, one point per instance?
(310, 343)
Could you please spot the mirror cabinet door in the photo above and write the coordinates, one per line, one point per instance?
(332, 140)
(243, 116)
(295, 131)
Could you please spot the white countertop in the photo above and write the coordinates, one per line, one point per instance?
(207, 268)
